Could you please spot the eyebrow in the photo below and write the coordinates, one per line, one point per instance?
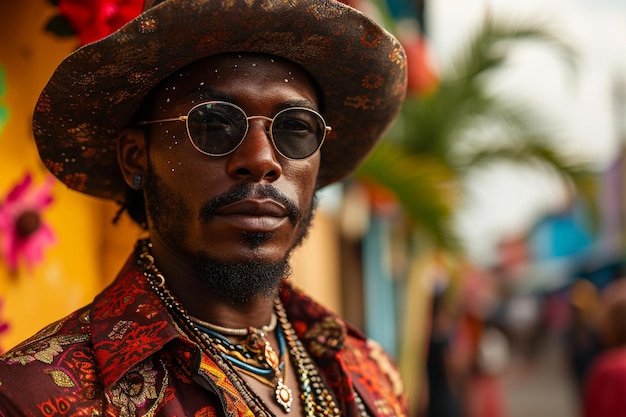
(207, 93)
(211, 94)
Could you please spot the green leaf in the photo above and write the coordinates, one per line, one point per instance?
(425, 188)
(4, 116)
(463, 125)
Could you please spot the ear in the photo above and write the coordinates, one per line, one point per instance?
(132, 156)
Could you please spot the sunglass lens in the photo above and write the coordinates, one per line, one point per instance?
(298, 133)
(216, 128)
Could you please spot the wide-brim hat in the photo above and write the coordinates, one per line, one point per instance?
(95, 92)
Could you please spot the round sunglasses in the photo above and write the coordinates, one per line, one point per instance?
(217, 128)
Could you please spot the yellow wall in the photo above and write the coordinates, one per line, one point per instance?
(73, 269)
(89, 250)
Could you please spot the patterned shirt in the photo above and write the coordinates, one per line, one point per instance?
(124, 355)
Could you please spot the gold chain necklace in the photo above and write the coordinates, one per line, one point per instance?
(255, 357)
(244, 331)
(318, 401)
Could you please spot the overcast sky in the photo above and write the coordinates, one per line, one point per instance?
(580, 109)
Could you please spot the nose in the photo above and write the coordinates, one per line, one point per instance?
(255, 159)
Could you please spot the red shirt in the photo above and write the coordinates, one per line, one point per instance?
(605, 385)
(123, 355)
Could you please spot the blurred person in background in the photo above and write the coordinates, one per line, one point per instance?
(605, 381)
(484, 394)
(444, 375)
(582, 335)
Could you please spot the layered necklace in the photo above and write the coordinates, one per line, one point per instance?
(255, 356)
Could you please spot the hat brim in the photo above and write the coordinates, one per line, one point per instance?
(95, 92)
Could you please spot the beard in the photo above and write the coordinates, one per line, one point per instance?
(239, 283)
(236, 282)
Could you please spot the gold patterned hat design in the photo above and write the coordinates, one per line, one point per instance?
(94, 93)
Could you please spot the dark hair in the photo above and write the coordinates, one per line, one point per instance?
(135, 206)
(133, 202)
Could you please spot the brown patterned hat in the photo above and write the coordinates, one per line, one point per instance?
(95, 92)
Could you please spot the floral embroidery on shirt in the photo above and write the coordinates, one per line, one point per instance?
(378, 354)
(206, 412)
(120, 329)
(326, 335)
(114, 304)
(56, 406)
(135, 344)
(43, 351)
(60, 378)
(136, 389)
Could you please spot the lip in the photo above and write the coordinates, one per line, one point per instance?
(254, 215)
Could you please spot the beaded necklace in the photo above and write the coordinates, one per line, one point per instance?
(317, 400)
(253, 354)
(254, 357)
(235, 332)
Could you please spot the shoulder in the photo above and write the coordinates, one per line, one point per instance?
(345, 355)
(375, 376)
(58, 364)
(368, 357)
(45, 345)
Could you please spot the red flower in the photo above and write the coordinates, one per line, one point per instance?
(422, 79)
(96, 19)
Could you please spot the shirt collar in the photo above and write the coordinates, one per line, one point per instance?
(130, 323)
(321, 331)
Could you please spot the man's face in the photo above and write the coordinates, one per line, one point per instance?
(252, 205)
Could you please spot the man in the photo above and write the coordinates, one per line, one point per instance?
(213, 123)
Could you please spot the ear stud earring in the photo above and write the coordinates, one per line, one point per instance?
(137, 181)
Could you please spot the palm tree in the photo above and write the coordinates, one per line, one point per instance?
(460, 127)
(438, 139)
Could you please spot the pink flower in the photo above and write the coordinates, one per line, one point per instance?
(23, 233)
(4, 326)
(95, 19)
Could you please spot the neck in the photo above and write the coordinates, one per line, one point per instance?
(314, 395)
(203, 302)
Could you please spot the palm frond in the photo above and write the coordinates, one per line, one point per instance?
(424, 186)
(432, 124)
(489, 48)
(528, 152)
(462, 125)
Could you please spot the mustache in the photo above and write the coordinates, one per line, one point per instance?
(247, 190)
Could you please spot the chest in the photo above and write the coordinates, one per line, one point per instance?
(170, 387)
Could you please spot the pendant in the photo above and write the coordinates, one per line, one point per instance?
(283, 395)
(271, 358)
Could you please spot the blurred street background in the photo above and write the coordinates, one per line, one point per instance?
(482, 243)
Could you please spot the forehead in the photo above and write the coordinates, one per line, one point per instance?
(233, 77)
